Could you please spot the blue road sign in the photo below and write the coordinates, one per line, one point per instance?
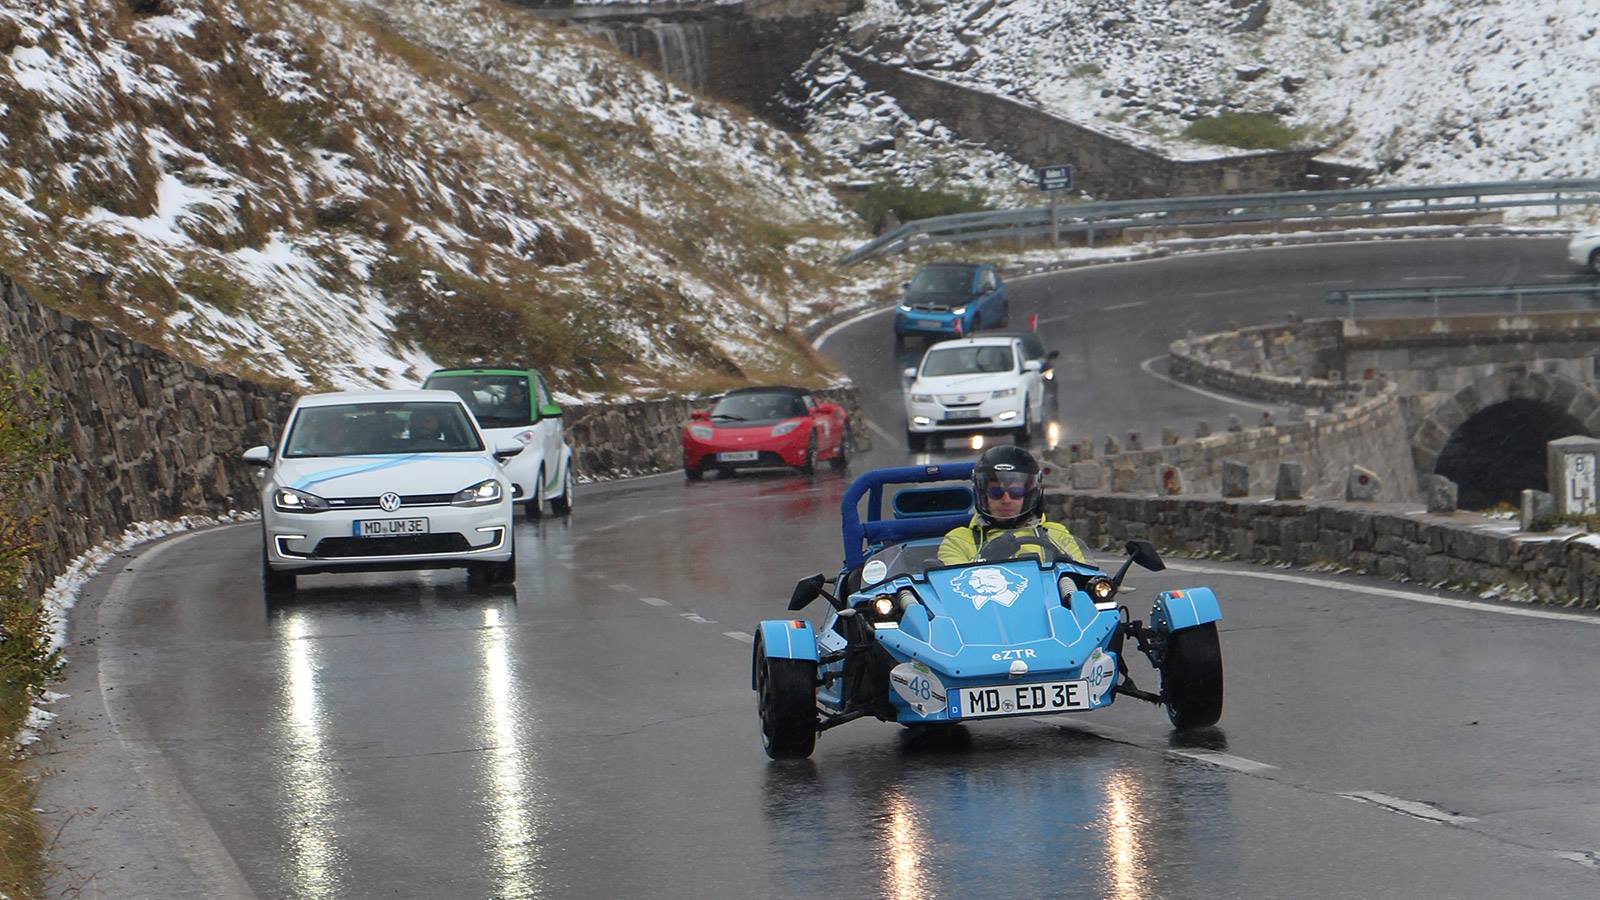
(1055, 178)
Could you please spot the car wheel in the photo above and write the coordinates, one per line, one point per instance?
(843, 459)
(1594, 261)
(1191, 677)
(274, 582)
(535, 503)
(1024, 432)
(1005, 317)
(786, 698)
(693, 474)
(918, 443)
(562, 505)
(808, 463)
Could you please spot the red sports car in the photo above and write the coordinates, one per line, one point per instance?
(763, 428)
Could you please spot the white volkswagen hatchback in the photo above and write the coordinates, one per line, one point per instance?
(973, 385)
(384, 480)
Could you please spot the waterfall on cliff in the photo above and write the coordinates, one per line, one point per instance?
(677, 49)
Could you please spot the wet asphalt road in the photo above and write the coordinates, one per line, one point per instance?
(592, 733)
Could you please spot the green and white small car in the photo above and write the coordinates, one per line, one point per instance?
(515, 403)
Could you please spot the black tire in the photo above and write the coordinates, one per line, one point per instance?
(275, 583)
(1191, 677)
(1023, 434)
(535, 503)
(693, 474)
(843, 459)
(808, 464)
(562, 505)
(1594, 262)
(917, 442)
(1005, 317)
(786, 699)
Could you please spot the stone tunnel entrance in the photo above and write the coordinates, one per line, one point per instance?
(1500, 450)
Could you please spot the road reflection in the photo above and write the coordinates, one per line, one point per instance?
(310, 796)
(1037, 811)
(514, 798)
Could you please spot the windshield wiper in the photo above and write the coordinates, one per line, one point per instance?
(727, 416)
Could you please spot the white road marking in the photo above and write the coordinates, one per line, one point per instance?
(1325, 283)
(1413, 808)
(880, 431)
(619, 586)
(654, 601)
(1225, 760)
(1201, 391)
(1204, 294)
(1473, 605)
(743, 637)
(1583, 858)
(1122, 306)
(823, 337)
(698, 620)
(1433, 278)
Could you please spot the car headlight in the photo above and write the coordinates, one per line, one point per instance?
(483, 493)
(1008, 392)
(921, 398)
(1103, 593)
(959, 311)
(886, 609)
(783, 428)
(700, 432)
(905, 308)
(1049, 374)
(287, 499)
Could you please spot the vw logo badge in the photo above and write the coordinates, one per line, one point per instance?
(390, 502)
(962, 398)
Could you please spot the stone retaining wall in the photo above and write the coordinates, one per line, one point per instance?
(1104, 166)
(146, 437)
(1288, 363)
(1473, 553)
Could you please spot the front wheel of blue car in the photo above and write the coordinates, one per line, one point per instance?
(786, 691)
(1191, 677)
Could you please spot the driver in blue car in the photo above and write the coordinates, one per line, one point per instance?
(1008, 500)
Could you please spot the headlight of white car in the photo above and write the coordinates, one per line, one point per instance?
(783, 428)
(483, 493)
(287, 499)
(700, 432)
(1007, 392)
(921, 398)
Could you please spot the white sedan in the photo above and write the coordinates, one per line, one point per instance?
(384, 480)
(1584, 250)
(977, 384)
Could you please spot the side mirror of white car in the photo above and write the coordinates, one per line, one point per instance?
(910, 374)
(505, 449)
(1033, 365)
(258, 456)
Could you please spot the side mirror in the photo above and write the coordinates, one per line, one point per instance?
(1052, 354)
(905, 285)
(828, 409)
(258, 456)
(1144, 553)
(699, 415)
(549, 411)
(1033, 365)
(910, 374)
(807, 590)
(504, 450)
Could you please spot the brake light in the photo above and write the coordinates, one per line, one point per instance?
(798, 624)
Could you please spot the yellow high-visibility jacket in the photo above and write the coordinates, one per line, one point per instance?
(960, 545)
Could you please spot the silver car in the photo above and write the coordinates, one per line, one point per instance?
(384, 480)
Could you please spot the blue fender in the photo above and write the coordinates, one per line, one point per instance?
(783, 639)
(1177, 610)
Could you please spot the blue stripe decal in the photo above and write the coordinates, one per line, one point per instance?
(377, 464)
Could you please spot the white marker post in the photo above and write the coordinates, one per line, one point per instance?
(1570, 465)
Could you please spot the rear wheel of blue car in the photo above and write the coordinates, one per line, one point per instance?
(1191, 677)
(786, 691)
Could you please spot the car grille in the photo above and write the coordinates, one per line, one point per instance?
(982, 421)
(404, 545)
(405, 500)
(960, 400)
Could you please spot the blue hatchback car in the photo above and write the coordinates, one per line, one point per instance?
(951, 298)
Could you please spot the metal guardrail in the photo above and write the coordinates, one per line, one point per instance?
(1089, 219)
(1463, 292)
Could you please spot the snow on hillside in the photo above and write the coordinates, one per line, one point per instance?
(295, 190)
(1423, 91)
